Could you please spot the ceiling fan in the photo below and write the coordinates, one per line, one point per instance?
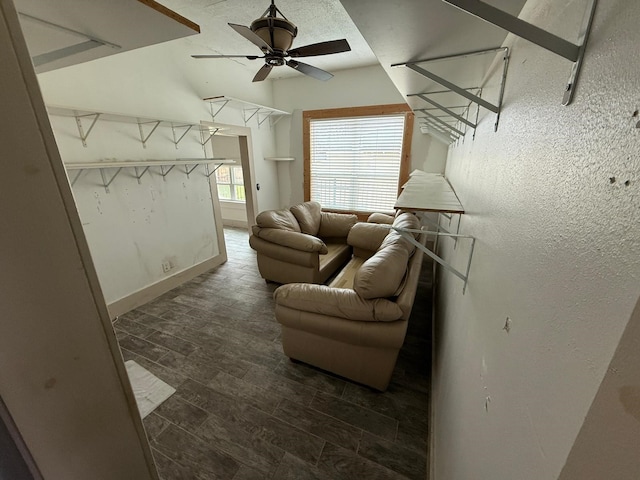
(274, 36)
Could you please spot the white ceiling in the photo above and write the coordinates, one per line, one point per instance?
(317, 21)
(379, 31)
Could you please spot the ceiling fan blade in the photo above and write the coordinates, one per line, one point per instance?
(263, 73)
(248, 57)
(247, 33)
(322, 48)
(310, 70)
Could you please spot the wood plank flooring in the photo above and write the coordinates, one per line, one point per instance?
(243, 411)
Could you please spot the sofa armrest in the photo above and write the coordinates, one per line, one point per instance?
(284, 254)
(368, 236)
(336, 302)
(336, 225)
(295, 240)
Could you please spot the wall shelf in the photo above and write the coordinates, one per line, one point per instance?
(431, 192)
(146, 126)
(249, 110)
(280, 159)
(144, 165)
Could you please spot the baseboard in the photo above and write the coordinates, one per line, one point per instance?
(235, 223)
(146, 294)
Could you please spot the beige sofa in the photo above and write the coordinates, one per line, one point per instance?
(356, 325)
(302, 244)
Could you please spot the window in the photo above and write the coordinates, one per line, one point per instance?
(356, 158)
(230, 183)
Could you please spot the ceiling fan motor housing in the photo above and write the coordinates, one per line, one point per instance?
(276, 32)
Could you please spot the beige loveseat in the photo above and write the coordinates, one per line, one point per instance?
(301, 244)
(356, 325)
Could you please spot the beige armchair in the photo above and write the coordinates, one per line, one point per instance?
(302, 244)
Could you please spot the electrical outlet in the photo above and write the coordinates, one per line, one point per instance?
(166, 266)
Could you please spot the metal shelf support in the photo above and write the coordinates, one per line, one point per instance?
(163, 173)
(245, 118)
(188, 170)
(209, 173)
(442, 122)
(223, 104)
(446, 110)
(467, 93)
(84, 136)
(76, 177)
(204, 142)
(140, 175)
(177, 140)
(407, 233)
(144, 139)
(542, 38)
(104, 179)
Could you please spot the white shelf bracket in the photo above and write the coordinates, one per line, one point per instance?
(448, 111)
(188, 170)
(76, 177)
(275, 119)
(444, 124)
(204, 142)
(144, 139)
(106, 183)
(222, 105)
(177, 140)
(140, 175)
(542, 38)
(244, 116)
(464, 92)
(265, 118)
(165, 173)
(407, 233)
(84, 136)
(209, 173)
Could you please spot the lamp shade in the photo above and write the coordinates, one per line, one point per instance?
(276, 32)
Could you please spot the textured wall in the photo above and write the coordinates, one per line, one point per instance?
(557, 252)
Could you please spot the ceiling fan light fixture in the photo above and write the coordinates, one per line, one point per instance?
(278, 33)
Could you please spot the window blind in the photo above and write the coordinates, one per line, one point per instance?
(355, 162)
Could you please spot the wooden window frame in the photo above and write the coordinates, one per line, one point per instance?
(368, 111)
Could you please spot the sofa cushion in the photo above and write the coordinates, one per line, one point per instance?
(381, 275)
(336, 225)
(282, 219)
(367, 236)
(308, 216)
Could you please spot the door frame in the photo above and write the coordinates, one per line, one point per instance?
(246, 161)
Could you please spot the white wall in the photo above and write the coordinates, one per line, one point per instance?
(558, 252)
(164, 81)
(135, 228)
(348, 88)
(60, 382)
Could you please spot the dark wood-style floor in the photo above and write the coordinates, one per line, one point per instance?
(242, 410)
